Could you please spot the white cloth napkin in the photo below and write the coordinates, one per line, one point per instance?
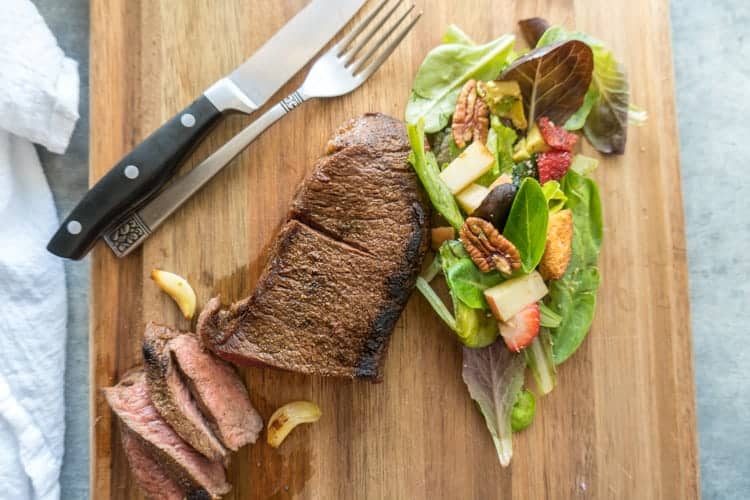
(38, 103)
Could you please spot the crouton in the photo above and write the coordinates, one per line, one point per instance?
(440, 235)
(557, 250)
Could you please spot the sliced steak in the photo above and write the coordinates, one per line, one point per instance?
(220, 393)
(342, 267)
(130, 401)
(171, 394)
(153, 479)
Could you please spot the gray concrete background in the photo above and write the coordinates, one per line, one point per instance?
(712, 61)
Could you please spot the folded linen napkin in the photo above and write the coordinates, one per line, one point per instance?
(38, 103)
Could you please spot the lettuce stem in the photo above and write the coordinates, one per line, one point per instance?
(436, 302)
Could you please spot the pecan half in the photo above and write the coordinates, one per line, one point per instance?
(488, 248)
(471, 120)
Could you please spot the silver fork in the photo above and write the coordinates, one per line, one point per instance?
(337, 72)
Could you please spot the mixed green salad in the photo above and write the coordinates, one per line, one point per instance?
(493, 131)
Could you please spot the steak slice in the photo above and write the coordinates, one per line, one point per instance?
(153, 479)
(171, 394)
(219, 392)
(130, 401)
(342, 267)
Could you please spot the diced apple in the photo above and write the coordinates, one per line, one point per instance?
(467, 167)
(440, 235)
(509, 297)
(470, 198)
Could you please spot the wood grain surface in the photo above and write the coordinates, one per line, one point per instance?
(620, 424)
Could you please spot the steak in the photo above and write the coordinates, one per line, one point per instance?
(130, 401)
(153, 479)
(199, 395)
(342, 266)
(219, 392)
(171, 394)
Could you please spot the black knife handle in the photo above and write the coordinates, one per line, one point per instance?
(137, 176)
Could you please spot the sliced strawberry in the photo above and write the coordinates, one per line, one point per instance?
(521, 329)
(552, 165)
(556, 137)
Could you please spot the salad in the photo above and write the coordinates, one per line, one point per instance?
(493, 131)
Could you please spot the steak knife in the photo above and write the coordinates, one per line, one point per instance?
(144, 171)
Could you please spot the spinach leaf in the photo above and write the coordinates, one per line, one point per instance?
(445, 70)
(573, 296)
(474, 327)
(606, 121)
(468, 283)
(553, 79)
(425, 165)
(526, 227)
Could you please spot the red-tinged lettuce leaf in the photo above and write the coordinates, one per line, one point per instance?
(553, 79)
(494, 377)
(605, 123)
(532, 29)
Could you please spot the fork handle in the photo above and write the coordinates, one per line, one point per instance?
(158, 209)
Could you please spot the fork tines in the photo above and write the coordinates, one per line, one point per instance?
(367, 64)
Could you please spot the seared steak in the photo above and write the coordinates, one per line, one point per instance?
(219, 392)
(171, 395)
(152, 478)
(341, 268)
(130, 401)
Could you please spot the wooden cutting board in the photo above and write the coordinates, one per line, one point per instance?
(620, 424)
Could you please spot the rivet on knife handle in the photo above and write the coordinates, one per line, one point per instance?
(134, 178)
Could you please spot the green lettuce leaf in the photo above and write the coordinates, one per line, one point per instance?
(539, 357)
(425, 165)
(494, 377)
(555, 197)
(526, 227)
(578, 120)
(443, 73)
(454, 34)
(523, 412)
(500, 140)
(584, 165)
(573, 296)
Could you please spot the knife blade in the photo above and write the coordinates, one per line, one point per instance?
(144, 171)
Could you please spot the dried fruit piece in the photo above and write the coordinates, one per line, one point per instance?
(552, 165)
(289, 416)
(558, 249)
(178, 288)
(488, 248)
(471, 120)
(556, 137)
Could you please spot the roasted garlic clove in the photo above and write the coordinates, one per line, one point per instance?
(288, 417)
(178, 288)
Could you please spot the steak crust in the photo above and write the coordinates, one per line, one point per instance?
(341, 268)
